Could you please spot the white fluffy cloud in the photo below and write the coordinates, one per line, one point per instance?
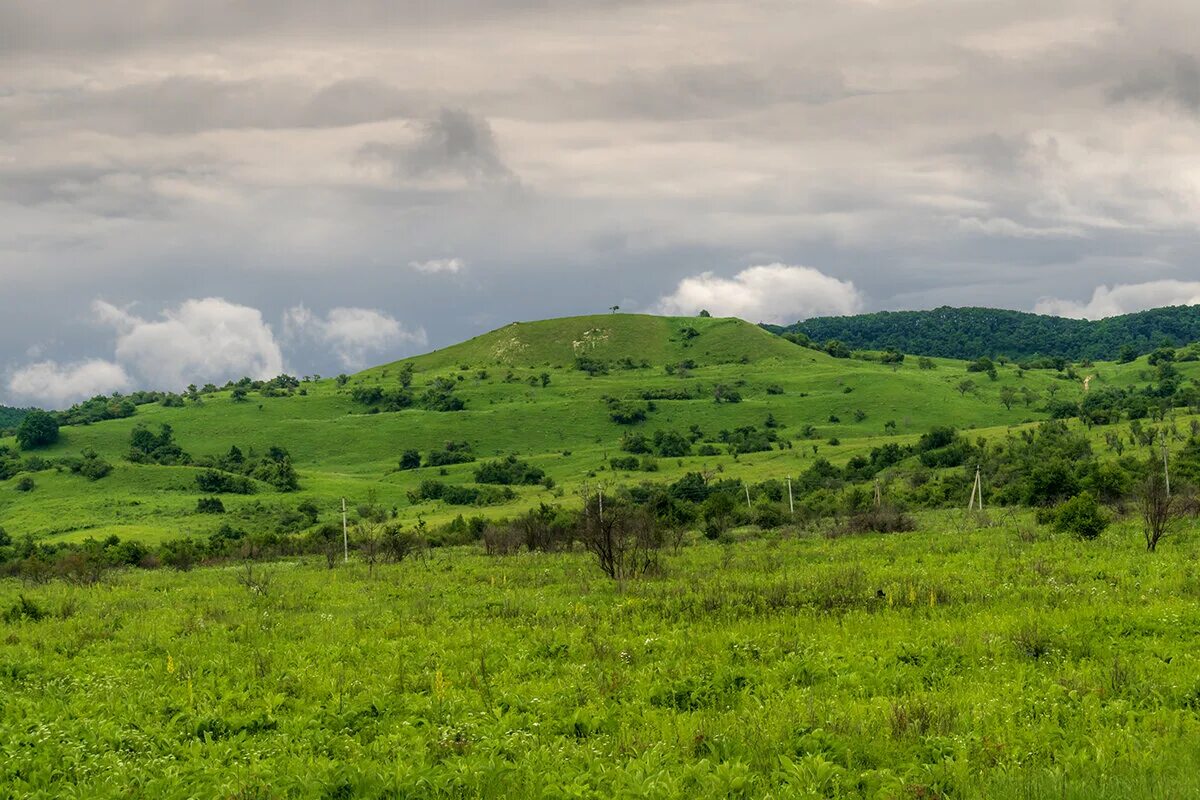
(201, 340)
(778, 293)
(58, 385)
(1124, 299)
(352, 333)
(436, 265)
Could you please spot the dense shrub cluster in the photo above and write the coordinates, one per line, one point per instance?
(509, 471)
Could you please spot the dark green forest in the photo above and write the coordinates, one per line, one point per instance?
(971, 332)
(11, 417)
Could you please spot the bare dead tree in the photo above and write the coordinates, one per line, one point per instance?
(369, 540)
(1158, 508)
(624, 539)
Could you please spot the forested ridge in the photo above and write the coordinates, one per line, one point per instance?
(971, 332)
(11, 417)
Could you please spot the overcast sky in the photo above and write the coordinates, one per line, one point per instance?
(196, 191)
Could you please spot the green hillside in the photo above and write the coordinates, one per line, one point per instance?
(525, 394)
(972, 332)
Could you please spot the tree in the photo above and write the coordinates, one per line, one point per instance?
(704, 313)
(1157, 506)
(410, 459)
(965, 386)
(836, 349)
(614, 309)
(1128, 354)
(37, 429)
(623, 538)
(1008, 396)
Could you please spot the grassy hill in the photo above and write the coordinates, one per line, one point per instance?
(972, 332)
(524, 394)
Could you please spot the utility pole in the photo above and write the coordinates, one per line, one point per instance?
(748, 507)
(600, 495)
(345, 535)
(976, 492)
(1166, 470)
(791, 503)
(878, 494)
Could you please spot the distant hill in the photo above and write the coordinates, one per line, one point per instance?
(11, 417)
(970, 332)
(612, 337)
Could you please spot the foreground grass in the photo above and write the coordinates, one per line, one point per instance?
(943, 663)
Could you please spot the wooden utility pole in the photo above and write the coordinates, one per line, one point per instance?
(976, 492)
(1166, 469)
(345, 535)
(878, 494)
(791, 503)
(600, 495)
(748, 507)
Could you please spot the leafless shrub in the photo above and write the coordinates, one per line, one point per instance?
(624, 539)
(502, 540)
(1158, 507)
(881, 519)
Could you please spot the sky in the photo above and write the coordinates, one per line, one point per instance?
(192, 192)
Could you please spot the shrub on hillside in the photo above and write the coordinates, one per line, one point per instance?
(213, 481)
(1080, 516)
(509, 471)
(210, 505)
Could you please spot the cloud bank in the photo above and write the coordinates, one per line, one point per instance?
(1124, 299)
(201, 341)
(204, 340)
(58, 385)
(352, 333)
(777, 293)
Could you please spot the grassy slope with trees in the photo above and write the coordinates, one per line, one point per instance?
(340, 448)
(972, 332)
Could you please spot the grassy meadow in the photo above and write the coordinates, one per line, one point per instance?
(956, 661)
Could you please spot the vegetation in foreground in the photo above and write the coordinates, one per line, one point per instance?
(994, 662)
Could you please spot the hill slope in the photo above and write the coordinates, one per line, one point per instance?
(524, 394)
(971, 332)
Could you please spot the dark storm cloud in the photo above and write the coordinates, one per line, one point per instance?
(1171, 76)
(455, 142)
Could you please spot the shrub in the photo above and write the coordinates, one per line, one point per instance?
(884, 519)
(625, 412)
(1080, 516)
(509, 471)
(91, 466)
(410, 459)
(213, 481)
(210, 505)
(26, 484)
(451, 453)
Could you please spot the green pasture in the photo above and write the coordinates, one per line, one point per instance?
(952, 662)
